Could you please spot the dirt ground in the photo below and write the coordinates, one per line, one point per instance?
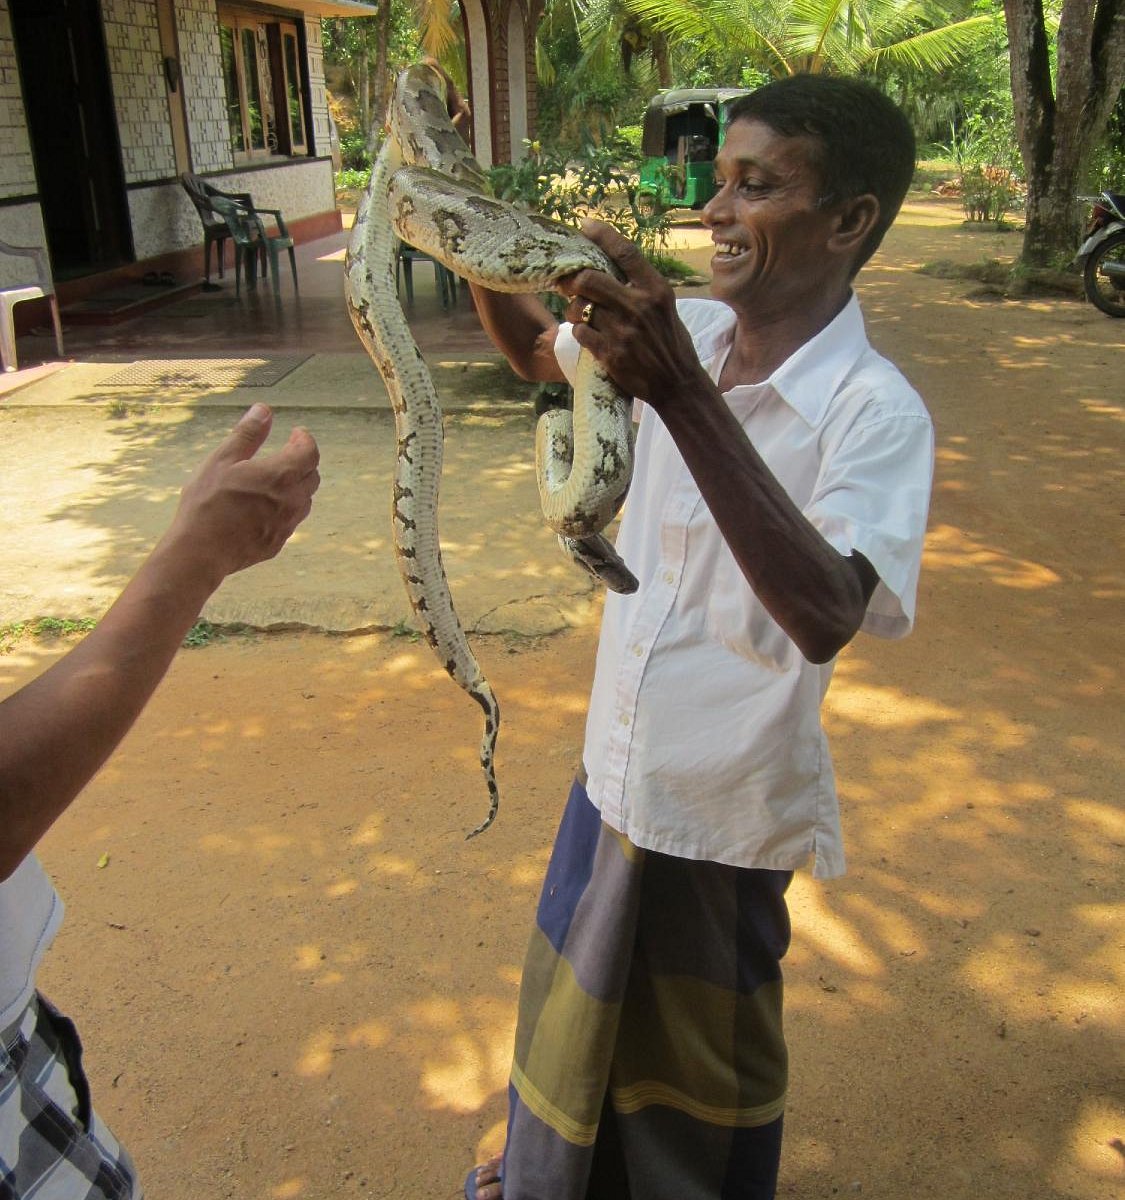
(297, 980)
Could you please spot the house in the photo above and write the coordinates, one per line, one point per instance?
(103, 103)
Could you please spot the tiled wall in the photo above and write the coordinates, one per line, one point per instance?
(140, 93)
(17, 172)
(197, 30)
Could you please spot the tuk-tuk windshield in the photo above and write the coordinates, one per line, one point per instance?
(685, 123)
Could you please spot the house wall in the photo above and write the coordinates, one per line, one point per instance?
(21, 222)
(163, 219)
(197, 31)
(140, 95)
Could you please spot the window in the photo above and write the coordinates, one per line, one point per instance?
(294, 99)
(264, 79)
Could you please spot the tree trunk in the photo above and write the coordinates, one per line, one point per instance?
(363, 90)
(1059, 127)
(382, 42)
(662, 59)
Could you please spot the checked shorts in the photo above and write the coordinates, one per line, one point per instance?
(53, 1146)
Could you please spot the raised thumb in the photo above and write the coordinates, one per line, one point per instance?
(247, 437)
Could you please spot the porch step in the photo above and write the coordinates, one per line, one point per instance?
(124, 302)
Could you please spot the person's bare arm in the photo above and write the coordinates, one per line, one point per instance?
(56, 732)
(522, 328)
(817, 595)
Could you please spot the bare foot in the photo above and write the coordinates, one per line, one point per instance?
(488, 1180)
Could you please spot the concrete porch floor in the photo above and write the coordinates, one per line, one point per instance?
(311, 320)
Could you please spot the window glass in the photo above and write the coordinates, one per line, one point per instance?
(233, 93)
(293, 90)
(254, 118)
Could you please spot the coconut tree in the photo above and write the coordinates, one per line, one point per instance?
(611, 34)
(787, 37)
(1062, 109)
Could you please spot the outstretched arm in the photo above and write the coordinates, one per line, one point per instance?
(56, 732)
(817, 595)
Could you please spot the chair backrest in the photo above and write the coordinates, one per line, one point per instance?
(40, 261)
(244, 226)
(198, 193)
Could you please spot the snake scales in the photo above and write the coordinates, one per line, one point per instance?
(427, 189)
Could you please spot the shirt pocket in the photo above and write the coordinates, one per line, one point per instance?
(736, 619)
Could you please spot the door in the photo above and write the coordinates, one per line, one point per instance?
(64, 71)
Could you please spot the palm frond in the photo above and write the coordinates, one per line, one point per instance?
(435, 20)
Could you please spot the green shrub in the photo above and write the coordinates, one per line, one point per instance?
(987, 161)
(353, 151)
(352, 179)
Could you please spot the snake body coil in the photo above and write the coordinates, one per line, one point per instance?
(427, 189)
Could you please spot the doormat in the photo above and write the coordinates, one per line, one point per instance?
(205, 372)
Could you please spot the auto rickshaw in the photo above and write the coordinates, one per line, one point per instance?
(683, 128)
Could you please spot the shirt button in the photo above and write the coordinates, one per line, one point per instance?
(669, 577)
(638, 650)
(624, 718)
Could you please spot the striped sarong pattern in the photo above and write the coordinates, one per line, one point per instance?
(53, 1145)
(650, 1061)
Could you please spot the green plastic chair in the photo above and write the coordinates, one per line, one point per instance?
(252, 244)
(215, 231)
(405, 258)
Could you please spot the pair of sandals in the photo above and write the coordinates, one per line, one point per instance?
(158, 279)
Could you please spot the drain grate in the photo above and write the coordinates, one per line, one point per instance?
(205, 372)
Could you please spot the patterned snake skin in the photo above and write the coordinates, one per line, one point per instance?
(427, 189)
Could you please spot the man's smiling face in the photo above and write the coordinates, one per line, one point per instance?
(767, 222)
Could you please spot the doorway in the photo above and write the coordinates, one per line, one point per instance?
(64, 70)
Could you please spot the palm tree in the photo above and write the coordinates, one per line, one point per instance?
(610, 33)
(787, 37)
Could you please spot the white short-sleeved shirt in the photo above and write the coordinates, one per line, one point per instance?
(30, 915)
(704, 738)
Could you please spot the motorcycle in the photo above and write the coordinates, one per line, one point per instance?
(1102, 253)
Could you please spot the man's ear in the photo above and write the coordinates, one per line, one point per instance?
(855, 219)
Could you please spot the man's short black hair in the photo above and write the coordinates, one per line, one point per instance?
(865, 143)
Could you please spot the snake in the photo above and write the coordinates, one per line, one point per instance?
(428, 190)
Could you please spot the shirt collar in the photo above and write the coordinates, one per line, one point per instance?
(812, 374)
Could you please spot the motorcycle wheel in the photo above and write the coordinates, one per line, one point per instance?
(1107, 291)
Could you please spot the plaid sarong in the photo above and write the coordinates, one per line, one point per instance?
(53, 1146)
(650, 1061)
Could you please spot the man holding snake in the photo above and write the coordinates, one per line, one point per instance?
(778, 507)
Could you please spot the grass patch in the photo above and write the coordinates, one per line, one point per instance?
(989, 270)
(1006, 278)
(46, 628)
(202, 633)
(931, 173)
(675, 270)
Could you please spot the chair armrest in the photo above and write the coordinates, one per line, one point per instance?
(39, 256)
(276, 214)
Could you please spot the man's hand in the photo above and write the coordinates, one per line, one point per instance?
(239, 509)
(633, 329)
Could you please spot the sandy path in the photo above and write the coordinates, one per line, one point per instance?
(297, 981)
